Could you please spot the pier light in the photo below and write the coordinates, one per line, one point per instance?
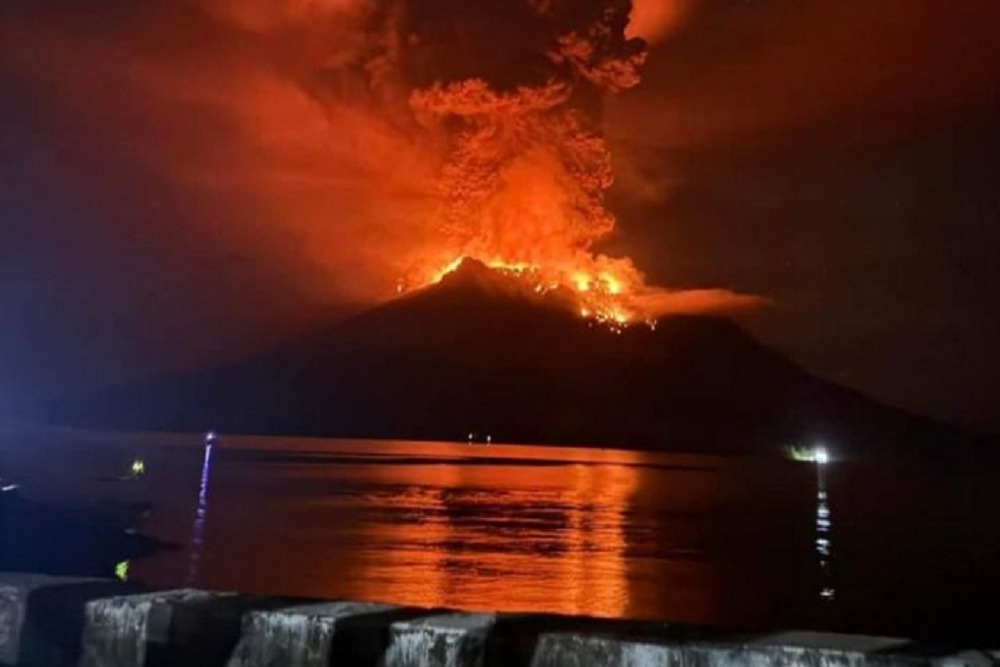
(821, 456)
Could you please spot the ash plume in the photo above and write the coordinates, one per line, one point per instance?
(527, 168)
(333, 146)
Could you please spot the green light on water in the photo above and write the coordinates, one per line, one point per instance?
(121, 570)
(138, 467)
(800, 454)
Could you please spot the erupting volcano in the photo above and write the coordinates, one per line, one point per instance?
(522, 183)
(490, 220)
(483, 352)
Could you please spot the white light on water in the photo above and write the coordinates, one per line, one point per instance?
(198, 528)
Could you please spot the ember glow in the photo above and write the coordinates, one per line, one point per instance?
(600, 296)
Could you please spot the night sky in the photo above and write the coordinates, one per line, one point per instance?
(183, 182)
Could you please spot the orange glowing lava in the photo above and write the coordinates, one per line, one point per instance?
(600, 294)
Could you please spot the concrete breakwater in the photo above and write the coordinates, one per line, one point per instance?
(99, 623)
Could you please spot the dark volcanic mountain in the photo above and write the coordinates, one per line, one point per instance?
(480, 353)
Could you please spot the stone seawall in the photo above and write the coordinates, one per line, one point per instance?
(67, 621)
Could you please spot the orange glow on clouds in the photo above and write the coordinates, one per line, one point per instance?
(653, 19)
(522, 184)
(318, 139)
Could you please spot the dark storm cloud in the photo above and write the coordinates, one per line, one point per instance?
(840, 156)
(742, 70)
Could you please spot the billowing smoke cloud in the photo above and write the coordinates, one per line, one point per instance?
(358, 142)
(258, 160)
(526, 169)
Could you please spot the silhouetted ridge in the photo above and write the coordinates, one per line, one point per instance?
(481, 352)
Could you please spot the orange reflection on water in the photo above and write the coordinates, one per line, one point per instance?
(511, 537)
(504, 528)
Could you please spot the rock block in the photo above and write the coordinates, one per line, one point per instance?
(304, 635)
(446, 640)
(180, 627)
(41, 616)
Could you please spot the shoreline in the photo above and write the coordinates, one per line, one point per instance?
(46, 620)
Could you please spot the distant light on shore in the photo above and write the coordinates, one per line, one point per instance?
(818, 454)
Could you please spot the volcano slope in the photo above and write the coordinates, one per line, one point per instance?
(482, 353)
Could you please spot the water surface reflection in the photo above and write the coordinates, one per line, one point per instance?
(201, 513)
(824, 540)
(481, 531)
(606, 533)
(905, 547)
